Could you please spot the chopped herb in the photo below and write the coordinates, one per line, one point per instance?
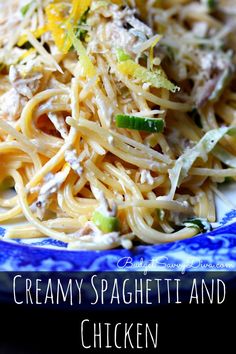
(140, 123)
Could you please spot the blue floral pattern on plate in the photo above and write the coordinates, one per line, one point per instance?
(212, 251)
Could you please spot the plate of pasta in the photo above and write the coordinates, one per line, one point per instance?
(117, 132)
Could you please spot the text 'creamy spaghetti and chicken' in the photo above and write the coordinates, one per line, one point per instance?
(117, 118)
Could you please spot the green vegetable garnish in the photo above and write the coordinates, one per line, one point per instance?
(121, 55)
(201, 224)
(26, 8)
(154, 125)
(156, 78)
(105, 223)
(210, 4)
(81, 32)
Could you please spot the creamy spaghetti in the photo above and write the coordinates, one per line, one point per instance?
(117, 118)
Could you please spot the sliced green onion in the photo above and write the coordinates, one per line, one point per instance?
(154, 125)
(121, 55)
(201, 224)
(26, 8)
(105, 223)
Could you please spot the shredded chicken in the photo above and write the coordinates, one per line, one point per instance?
(59, 123)
(11, 104)
(91, 233)
(122, 30)
(104, 206)
(214, 65)
(202, 57)
(52, 184)
(72, 157)
(24, 85)
(146, 177)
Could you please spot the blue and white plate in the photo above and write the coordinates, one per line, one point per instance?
(215, 251)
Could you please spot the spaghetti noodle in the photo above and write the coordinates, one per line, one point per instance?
(117, 118)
